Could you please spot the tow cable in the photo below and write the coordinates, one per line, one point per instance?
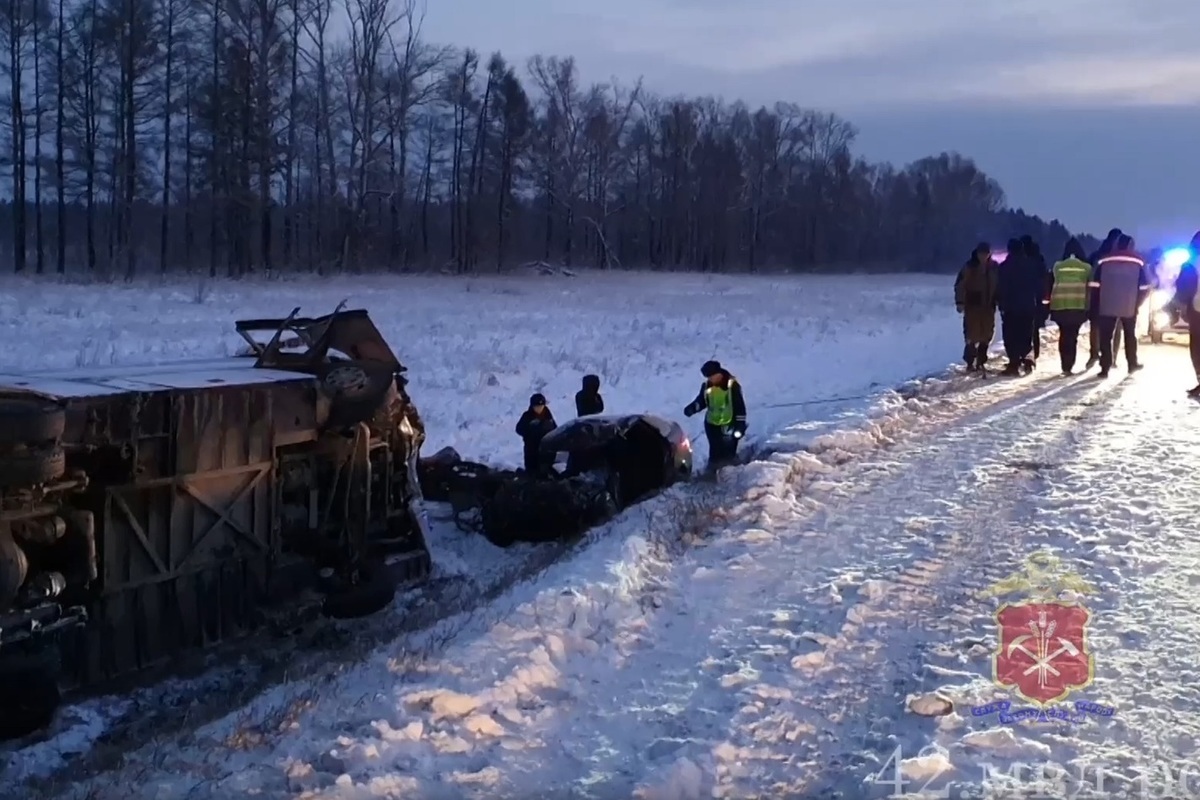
(874, 391)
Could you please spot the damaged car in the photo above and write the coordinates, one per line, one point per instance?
(603, 464)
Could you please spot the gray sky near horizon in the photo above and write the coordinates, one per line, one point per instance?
(1084, 110)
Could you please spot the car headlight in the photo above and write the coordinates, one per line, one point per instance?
(1160, 298)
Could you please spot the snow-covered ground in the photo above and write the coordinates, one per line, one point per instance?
(477, 348)
(764, 636)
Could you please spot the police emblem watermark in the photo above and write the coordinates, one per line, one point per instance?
(1042, 653)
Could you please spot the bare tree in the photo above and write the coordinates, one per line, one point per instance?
(266, 135)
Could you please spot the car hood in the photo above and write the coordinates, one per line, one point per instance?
(586, 433)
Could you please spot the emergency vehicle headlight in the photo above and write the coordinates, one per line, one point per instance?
(1160, 298)
(1177, 257)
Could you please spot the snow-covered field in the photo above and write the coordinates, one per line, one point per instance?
(477, 348)
(762, 637)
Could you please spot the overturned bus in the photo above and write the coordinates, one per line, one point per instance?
(149, 511)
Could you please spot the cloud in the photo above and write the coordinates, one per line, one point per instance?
(861, 52)
(1047, 96)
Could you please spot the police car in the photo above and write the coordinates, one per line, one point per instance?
(1163, 316)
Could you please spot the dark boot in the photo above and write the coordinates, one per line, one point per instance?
(1012, 368)
(968, 356)
(1194, 391)
(981, 356)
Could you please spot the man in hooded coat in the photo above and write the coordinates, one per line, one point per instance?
(1034, 253)
(975, 299)
(1021, 286)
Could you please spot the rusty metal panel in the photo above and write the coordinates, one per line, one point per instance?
(187, 557)
(87, 382)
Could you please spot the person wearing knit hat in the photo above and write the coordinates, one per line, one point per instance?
(532, 427)
(721, 399)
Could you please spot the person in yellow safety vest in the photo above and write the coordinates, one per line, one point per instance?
(721, 399)
(1069, 300)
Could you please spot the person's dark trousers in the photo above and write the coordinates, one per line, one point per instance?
(1037, 338)
(721, 448)
(1094, 339)
(1069, 324)
(981, 353)
(1017, 332)
(975, 354)
(1128, 330)
(532, 458)
(1108, 327)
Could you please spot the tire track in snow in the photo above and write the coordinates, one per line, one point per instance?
(920, 577)
(990, 531)
(1118, 515)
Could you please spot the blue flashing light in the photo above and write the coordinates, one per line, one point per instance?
(1176, 257)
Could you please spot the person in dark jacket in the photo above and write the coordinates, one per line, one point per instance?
(1120, 284)
(975, 299)
(588, 399)
(532, 427)
(1187, 294)
(1034, 252)
(1106, 247)
(1020, 286)
(721, 399)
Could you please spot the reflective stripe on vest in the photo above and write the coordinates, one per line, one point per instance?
(1070, 291)
(719, 403)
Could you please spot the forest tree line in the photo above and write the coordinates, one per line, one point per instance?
(232, 137)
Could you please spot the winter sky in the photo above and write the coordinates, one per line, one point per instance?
(1085, 110)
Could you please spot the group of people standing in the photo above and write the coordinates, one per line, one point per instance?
(1104, 289)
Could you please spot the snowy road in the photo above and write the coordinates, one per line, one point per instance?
(774, 655)
(762, 674)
